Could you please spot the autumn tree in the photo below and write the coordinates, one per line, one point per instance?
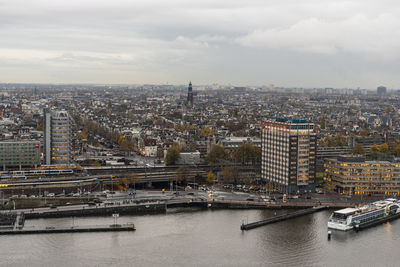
(230, 175)
(131, 179)
(96, 164)
(358, 149)
(121, 139)
(158, 121)
(210, 177)
(235, 112)
(27, 117)
(40, 127)
(333, 141)
(374, 151)
(127, 145)
(322, 123)
(363, 133)
(181, 175)
(397, 150)
(384, 148)
(83, 134)
(205, 132)
(247, 152)
(173, 155)
(217, 154)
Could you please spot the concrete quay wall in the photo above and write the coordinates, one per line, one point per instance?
(98, 211)
(234, 204)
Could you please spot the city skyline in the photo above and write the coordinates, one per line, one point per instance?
(345, 44)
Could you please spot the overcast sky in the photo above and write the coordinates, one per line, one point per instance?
(301, 43)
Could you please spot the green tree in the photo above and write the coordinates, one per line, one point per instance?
(173, 155)
(397, 150)
(216, 154)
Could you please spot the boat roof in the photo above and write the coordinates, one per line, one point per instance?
(346, 211)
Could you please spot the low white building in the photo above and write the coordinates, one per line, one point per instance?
(150, 151)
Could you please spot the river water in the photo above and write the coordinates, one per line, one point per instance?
(205, 238)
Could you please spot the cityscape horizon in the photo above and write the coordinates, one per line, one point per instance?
(199, 133)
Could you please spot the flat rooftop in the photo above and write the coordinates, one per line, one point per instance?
(346, 211)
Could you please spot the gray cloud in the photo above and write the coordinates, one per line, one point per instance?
(292, 43)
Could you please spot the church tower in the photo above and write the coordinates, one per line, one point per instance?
(190, 95)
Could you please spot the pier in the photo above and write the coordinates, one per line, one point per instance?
(280, 218)
(72, 229)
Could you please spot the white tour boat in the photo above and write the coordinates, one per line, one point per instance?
(347, 219)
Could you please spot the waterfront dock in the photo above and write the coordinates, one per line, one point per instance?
(105, 209)
(280, 218)
(72, 229)
(97, 210)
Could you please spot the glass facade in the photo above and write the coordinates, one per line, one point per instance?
(19, 153)
(363, 177)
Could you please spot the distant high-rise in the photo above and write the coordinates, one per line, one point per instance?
(57, 137)
(381, 90)
(47, 136)
(288, 155)
(190, 95)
